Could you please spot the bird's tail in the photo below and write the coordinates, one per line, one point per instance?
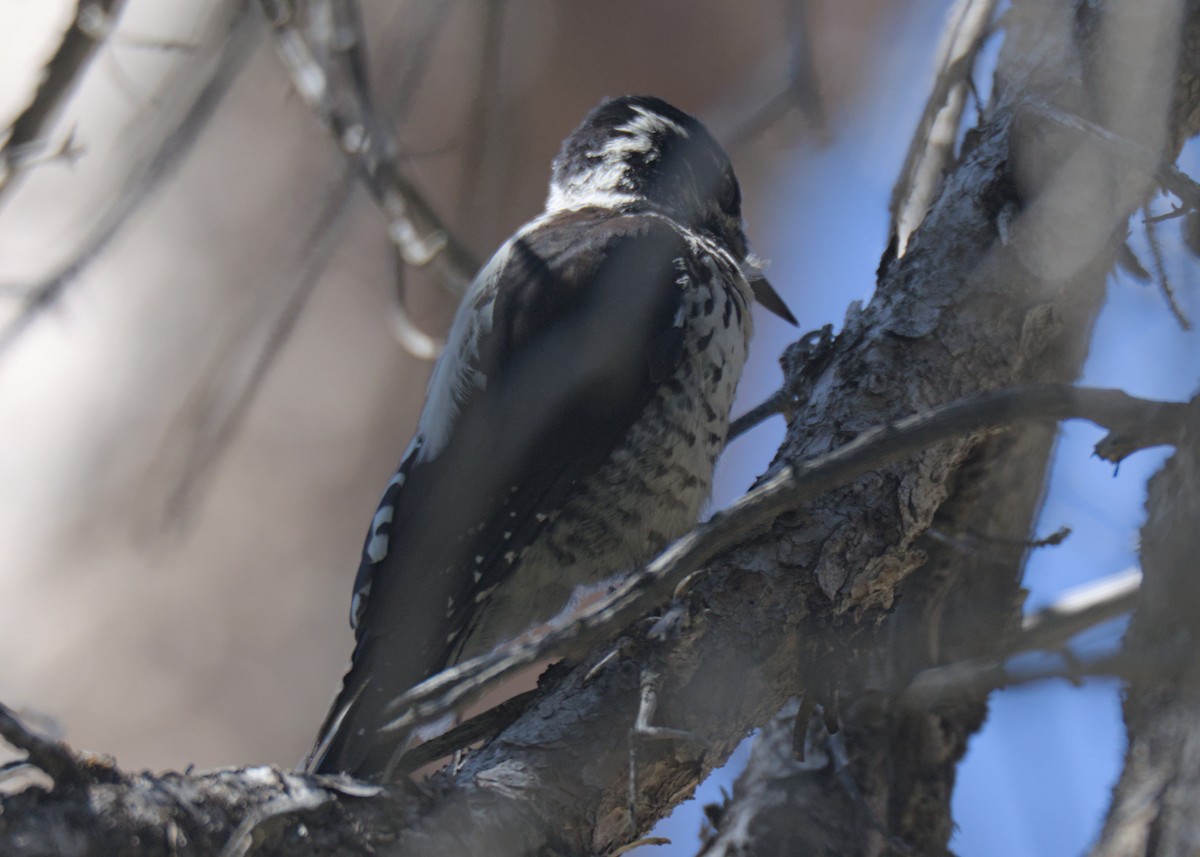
(351, 740)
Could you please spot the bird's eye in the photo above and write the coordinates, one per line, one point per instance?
(729, 196)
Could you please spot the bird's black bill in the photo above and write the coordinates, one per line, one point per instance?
(766, 295)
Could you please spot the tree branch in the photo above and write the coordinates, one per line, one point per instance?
(55, 759)
(931, 150)
(87, 31)
(321, 44)
(1050, 629)
(802, 89)
(1153, 810)
(1132, 423)
(235, 806)
(237, 35)
(1013, 253)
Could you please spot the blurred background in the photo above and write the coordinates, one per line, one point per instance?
(202, 393)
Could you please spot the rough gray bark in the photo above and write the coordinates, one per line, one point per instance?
(1009, 269)
(1156, 804)
(836, 602)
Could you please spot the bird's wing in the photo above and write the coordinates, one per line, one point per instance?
(554, 355)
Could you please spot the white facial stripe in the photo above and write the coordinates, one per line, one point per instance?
(634, 141)
(597, 187)
(573, 198)
(649, 122)
(638, 135)
(601, 186)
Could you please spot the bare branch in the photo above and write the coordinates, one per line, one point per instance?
(145, 178)
(227, 808)
(778, 402)
(1034, 220)
(425, 20)
(1050, 629)
(485, 101)
(1160, 270)
(57, 760)
(802, 89)
(932, 145)
(1136, 423)
(1153, 810)
(321, 44)
(1077, 610)
(970, 307)
(978, 545)
(89, 27)
(216, 408)
(1131, 153)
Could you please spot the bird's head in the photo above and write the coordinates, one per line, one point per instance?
(638, 153)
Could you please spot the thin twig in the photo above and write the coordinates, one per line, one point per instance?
(1049, 629)
(216, 408)
(1160, 270)
(980, 545)
(638, 843)
(321, 44)
(54, 758)
(415, 341)
(1079, 609)
(947, 683)
(1133, 154)
(801, 90)
(407, 75)
(146, 177)
(485, 725)
(153, 43)
(89, 26)
(644, 729)
(1176, 212)
(1134, 423)
(802, 362)
(483, 106)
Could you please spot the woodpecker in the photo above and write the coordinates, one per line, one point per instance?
(572, 423)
